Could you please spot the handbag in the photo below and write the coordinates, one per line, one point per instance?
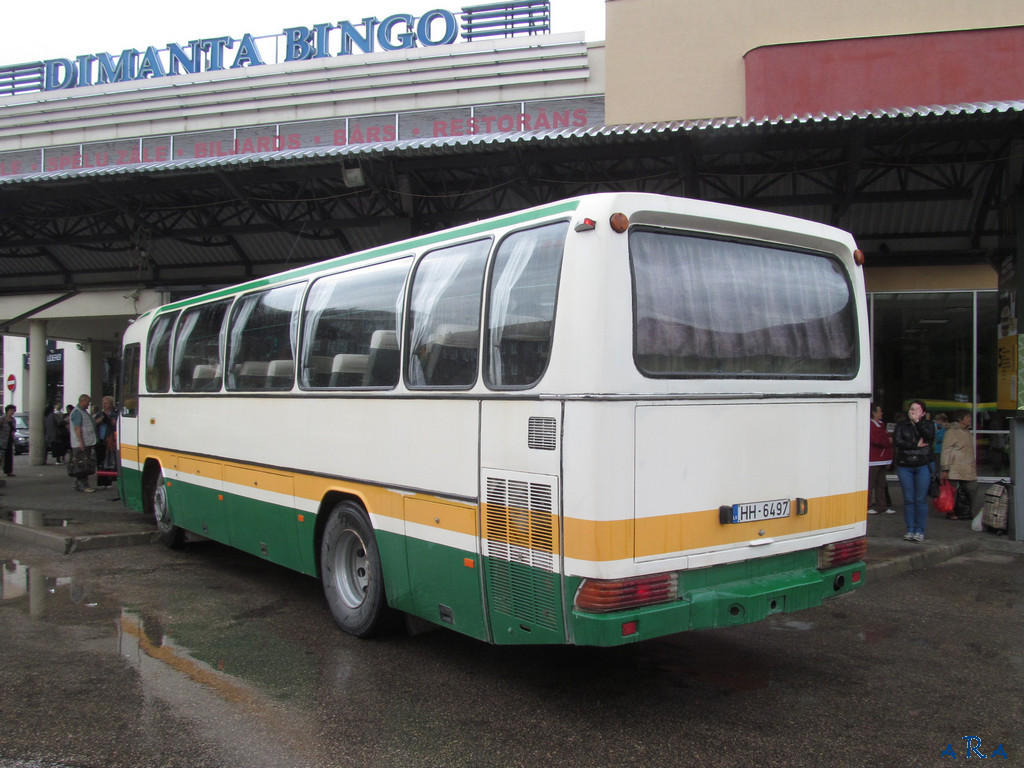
(946, 498)
(81, 463)
(933, 487)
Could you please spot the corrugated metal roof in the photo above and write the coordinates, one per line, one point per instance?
(603, 134)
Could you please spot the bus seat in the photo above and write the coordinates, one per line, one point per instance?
(280, 374)
(349, 370)
(451, 355)
(382, 362)
(318, 370)
(206, 378)
(252, 374)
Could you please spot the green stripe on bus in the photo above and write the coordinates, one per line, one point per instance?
(566, 206)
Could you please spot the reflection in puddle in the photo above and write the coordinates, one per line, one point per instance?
(20, 581)
(33, 518)
(225, 709)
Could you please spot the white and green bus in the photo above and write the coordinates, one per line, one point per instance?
(597, 421)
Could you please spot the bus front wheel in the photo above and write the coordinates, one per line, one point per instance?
(168, 533)
(351, 572)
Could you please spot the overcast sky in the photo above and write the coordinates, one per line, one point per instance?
(34, 30)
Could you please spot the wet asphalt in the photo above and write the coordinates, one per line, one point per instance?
(135, 655)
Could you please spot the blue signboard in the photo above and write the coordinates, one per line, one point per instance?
(396, 32)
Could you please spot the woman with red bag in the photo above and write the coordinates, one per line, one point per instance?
(958, 463)
(879, 459)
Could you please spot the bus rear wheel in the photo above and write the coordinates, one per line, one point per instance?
(156, 496)
(351, 573)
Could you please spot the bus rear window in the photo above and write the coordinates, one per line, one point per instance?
(709, 307)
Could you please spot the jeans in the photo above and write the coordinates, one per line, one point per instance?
(914, 481)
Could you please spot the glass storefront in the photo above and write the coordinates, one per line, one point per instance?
(940, 347)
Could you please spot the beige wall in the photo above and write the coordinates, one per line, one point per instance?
(683, 59)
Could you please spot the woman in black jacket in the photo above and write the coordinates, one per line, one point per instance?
(914, 440)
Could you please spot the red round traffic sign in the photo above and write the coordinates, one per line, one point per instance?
(12, 382)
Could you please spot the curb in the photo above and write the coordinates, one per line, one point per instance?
(931, 555)
(66, 544)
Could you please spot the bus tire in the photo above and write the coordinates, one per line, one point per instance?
(156, 497)
(351, 573)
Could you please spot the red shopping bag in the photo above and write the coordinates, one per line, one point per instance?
(946, 499)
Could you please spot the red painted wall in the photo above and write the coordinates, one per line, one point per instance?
(879, 72)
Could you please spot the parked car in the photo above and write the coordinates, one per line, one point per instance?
(20, 433)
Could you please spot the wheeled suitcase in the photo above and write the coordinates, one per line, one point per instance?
(996, 507)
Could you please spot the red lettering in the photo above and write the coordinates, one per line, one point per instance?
(248, 146)
(506, 123)
(488, 123)
(201, 149)
(340, 138)
(10, 168)
(356, 135)
(389, 133)
(294, 141)
(541, 122)
(457, 127)
(579, 118)
(524, 122)
(264, 143)
(373, 133)
(440, 128)
(562, 119)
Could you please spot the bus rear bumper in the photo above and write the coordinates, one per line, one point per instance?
(723, 605)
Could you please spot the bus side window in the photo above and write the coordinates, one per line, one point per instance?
(261, 339)
(197, 348)
(521, 306)
(351, 326)
(444, 317)
(158, 354)
(130, 382)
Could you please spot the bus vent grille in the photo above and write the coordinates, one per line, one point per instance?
(520, 544)
(543, 433)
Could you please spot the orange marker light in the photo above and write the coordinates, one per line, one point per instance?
(302, 518)
(469, 562)
(619, 222)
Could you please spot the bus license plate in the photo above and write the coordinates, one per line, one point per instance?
(760, 510)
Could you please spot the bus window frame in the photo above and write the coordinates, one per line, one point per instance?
(408, 326)
(854, 365)
(485, 358)
(295, 319)
(173, 315)
(228, 304)
(302, 356)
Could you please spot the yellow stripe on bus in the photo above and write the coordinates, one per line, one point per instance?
(667, 534)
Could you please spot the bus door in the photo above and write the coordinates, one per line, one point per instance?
(129, 480)
(521, 548)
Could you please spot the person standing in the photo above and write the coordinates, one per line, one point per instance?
(8, 443)
(106, 440)
(83, 440)
(958, 462)
(879, 459)
(7, 438)
(914, 440)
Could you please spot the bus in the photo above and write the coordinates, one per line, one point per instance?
(597, 421)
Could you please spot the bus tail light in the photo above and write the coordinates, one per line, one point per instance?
(607, 595)
(842, 553)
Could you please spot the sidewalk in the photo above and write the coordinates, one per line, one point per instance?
(38, 507)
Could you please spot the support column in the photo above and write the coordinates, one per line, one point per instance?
(36, 394)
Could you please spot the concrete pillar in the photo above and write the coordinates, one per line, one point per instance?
(35, 399)
(1015, 521)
